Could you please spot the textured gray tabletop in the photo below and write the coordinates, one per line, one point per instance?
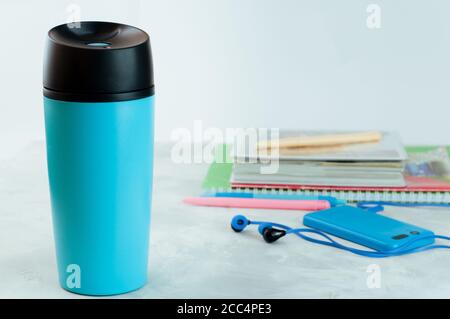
(194, 254)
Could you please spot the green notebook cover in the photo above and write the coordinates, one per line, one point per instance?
(219, 172)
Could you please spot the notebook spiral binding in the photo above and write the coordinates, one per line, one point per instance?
(354, 196)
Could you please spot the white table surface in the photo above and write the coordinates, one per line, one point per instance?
(195, 254)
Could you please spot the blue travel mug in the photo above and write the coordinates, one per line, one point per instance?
(98, 101)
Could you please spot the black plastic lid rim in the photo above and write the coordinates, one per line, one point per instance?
(98, 62)
(98, 97)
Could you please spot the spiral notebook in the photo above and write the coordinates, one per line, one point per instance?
(418, 189)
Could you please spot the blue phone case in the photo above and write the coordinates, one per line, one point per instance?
(367, 229)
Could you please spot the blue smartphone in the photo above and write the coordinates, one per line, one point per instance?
(367, 229)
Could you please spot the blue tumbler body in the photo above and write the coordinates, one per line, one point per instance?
(98, 91)
(100, 173)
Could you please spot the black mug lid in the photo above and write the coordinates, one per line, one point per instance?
(98, 62)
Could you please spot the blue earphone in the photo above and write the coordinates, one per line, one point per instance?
(271, 232)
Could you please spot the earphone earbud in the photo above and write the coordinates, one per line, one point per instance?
(239, 222)
(271, 235)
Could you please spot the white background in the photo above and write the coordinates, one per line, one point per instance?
(247, 63)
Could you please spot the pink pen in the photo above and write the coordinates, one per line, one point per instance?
(309, 205)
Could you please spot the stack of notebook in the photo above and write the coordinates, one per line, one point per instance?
(387, 173)
(376, 162)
